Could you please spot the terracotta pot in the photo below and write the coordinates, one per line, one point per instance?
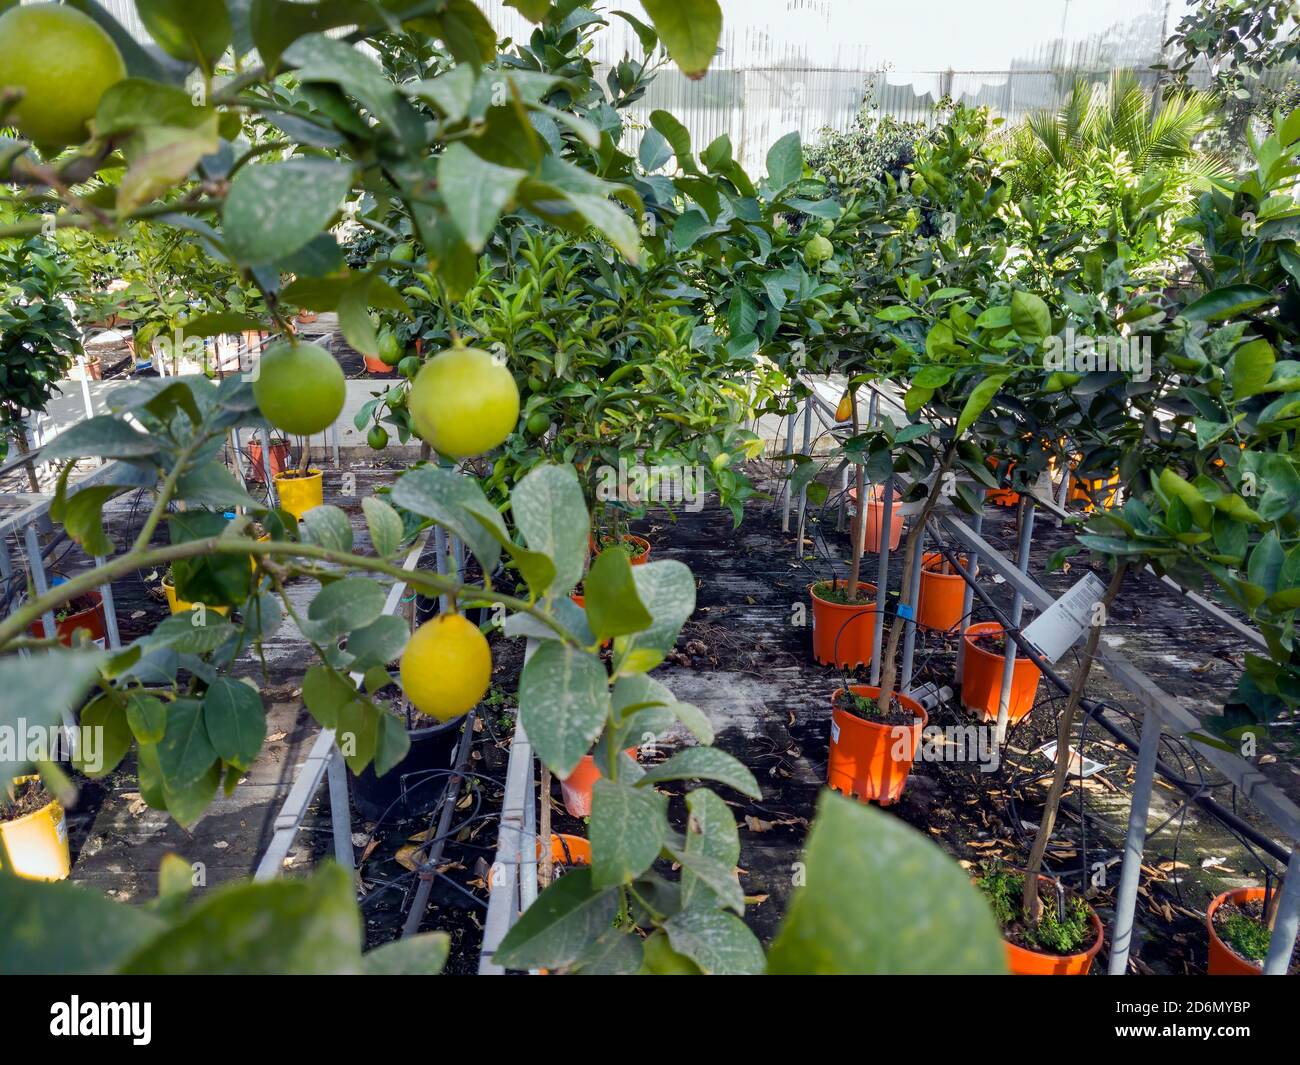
(306, 317)
(1025, 962)
(576, 787)
(938, 606)
(377, 366)
(870, 760)
(300, 494)
(627, 538)
(981, 677)
(94, 369)
(1224, 961)
(35, 846)
(875, 519)
(279, 459)
(843, 634)
(91, 619)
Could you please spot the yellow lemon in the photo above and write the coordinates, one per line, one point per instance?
(463, 402)
(446, 667)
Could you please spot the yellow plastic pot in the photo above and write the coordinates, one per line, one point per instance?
(184, 606)
(299, 494)
(35, 847)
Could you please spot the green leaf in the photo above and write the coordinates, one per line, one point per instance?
(219, 324)
(457, 503)
(328, 526)
(64, 929)
(352, 603)
(711, 834)
(1252, 368)
(235, 721)
(563, 703)
(476, 192)
(274, 209)
(424, 954)
(1030, 317)
(302, 926)
(102, 436)
(719, 943)
(881, 898)
(979, 399)
(378, 643)
(159, 158)
(392, 744)
(689, 30)
(82, 516)
(112, 736)
(550, 513)
(628, 827)
(385, 525)
(197, 30)
(326, 692)
(1227, 302)
(610, 597)
(147, 717)
(785, 161)
(677, 136)
(276, 24)
(213, 485)
(185, 753)
(704, 763)
(185, 634)
(560, 925)
(667, 590)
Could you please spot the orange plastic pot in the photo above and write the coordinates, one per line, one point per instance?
(875, 518)
(639, 541)
(576, 787)
(1001, 497)
(869, 760)
(91, 619)
(1224, 961)
(843, 633)
(279, 459)
(981, 677)
(938, 606)
(1098, 492)
(1025, 962)
(568, 850)
(378, 366)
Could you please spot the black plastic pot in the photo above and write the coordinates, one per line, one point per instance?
(409, 788)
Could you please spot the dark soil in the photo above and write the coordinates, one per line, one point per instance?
(76, 606)
(869, 710)
(839, 593)
(993, 643)
(29, 797)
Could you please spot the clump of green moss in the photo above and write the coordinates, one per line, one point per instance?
(1246, 935)
(1059, 933)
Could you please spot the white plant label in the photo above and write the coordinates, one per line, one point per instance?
(1060, 626)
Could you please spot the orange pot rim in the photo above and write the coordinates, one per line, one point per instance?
(931, 560)
(1236, 895)
(876, 496)
(842, 606)
(1098, 937)
(872, 691)
(988, 628)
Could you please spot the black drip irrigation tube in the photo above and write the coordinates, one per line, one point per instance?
(1194, 791)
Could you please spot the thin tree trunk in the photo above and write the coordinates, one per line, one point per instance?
(20, 438)
(857, 531)
(888, 670)
(545, 870)
(1030, 903)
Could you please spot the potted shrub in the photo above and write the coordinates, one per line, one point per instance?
(33, 831)
(1239, 924)
(279, 458)
(85, 613)
(1063, 942)
(984, 648)
(843, 623)
(872, 748)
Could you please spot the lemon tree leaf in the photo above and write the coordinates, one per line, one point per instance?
(563, 703)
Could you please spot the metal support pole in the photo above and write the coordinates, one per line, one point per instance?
(789, 472)
(440, 558)
(1121, 936)
(36, 564)
(1288, 917)
(340, 811)
(968, 593)
(271, 496)
(882, 571)
(110, 610)
(913, 594)
(805, 449)
(1017, 611)
(844, 496)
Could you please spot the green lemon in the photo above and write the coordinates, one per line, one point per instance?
(300, 388)
(817, 251)
(404, 252)
(377, 438)
(62, 61)
(538, 422)
(390, 349)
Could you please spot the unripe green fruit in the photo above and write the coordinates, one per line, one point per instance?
(377, 438)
